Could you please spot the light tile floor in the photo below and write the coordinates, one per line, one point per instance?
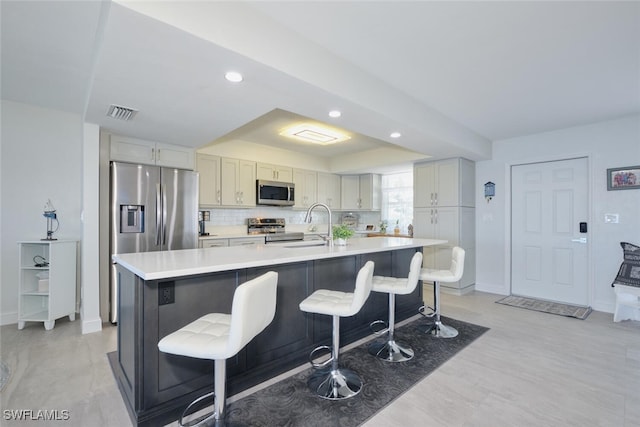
(530, 369)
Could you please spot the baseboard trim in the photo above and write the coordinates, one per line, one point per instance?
(8, 318)
(90, 326)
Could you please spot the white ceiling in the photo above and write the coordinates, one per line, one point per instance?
(450, 76)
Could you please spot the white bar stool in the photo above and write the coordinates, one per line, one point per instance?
(219, 336)
(448, 276)
(335, 383)
(390, 350)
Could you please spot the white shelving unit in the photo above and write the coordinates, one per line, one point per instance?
(46, 301)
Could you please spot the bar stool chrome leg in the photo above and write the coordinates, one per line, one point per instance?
(438, 329)
(334, 383)
(390, 350)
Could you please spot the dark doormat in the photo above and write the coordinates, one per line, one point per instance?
(561, 309)
(290, 403)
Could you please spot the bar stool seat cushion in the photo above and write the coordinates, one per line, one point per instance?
(332, 303)
(430, 275)
(204, 338)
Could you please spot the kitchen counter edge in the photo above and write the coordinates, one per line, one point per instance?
(188, 262)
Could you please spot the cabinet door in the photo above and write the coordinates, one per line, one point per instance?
(424, 225)
(423, 185)
(174, 156)
(274, 172)
(246, 241)
(265, 171)
(446, 225)
(284, 174)
(214, 243)
(370, 192)
(306, 192)
(350, 192)
(247, 183)
(209, 169)
(328, 186)
(229, 181)
(447, 183)
(132, 150)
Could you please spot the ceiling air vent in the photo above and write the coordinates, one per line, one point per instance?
(121, 113)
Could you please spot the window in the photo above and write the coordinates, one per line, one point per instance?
(397, 200)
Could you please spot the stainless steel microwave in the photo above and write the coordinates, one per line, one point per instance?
(275, 193)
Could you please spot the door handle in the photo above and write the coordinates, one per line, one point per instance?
(580, 240)
(158, 214)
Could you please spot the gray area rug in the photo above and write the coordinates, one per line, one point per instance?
(4, 374)
(289, 403)
(567, 310)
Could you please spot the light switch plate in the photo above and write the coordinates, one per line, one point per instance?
(611, 218)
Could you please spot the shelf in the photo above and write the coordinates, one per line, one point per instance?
(39, 316)
(45, 299)
(35, 293)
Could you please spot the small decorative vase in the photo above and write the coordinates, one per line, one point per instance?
(341, 242)
(396, 230)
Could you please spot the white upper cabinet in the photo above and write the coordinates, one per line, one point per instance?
(237, 182)
(360, 192)
(208, 167)
(444, 183)
(306, 188)
(274, 172)
(329, 189)
(151, 153)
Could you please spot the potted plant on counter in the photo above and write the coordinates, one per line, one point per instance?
(383, 226)
(341, 233)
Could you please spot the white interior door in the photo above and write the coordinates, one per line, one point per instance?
(548, 249)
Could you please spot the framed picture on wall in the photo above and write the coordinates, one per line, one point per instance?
(626, 178)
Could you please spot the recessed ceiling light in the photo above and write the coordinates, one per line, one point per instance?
(315, 134)
(395, 135)
(334, 113)
(233, 76)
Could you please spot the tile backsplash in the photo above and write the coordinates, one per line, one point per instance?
(235, 220)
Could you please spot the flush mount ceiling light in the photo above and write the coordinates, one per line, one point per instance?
(314, 134)
(395, 135)
(119, 112)
(334, 113)
(233, 76)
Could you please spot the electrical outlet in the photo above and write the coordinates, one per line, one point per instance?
(166, 293)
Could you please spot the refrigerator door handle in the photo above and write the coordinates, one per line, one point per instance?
(164, 217)
(158, 212)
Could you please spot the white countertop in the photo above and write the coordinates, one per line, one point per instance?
(187, 262)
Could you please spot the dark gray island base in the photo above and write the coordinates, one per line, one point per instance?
(156, 386)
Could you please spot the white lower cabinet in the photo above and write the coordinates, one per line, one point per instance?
(456, 225)
(246, 241)
(231, 241)
(213, 243)
(47, 281)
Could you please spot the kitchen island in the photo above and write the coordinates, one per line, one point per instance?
(160, 292)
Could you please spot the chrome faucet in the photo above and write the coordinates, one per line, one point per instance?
(307, 218)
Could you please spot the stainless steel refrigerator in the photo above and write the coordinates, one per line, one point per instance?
(152, 209)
